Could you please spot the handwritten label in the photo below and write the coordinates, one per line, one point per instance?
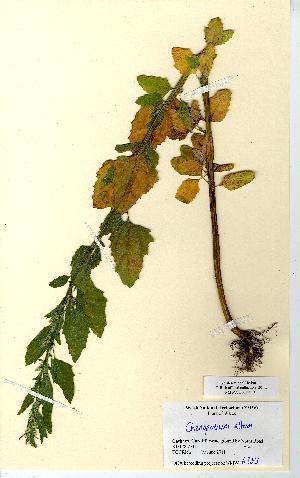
(222, 434)
(215, 386)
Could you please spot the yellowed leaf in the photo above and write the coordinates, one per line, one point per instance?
(103, 189)
(219, 104)
(195, 112)
(188, 190)
(177, 123)
(187, 167)
(133, 176)
(202, 146)
(172, 126)
(223, 167)
(237, 180)
(139, 124)
(162, 131)
(214, 32)
(181, 62)
(197, 140)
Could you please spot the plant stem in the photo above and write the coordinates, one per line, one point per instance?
(213, 211)
(160, 116)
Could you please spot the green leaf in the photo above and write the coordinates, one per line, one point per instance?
(37, 346)
(107, 179)
(59, 281)
(223, 167)
(186, 151)
(237, 180)
(154, 84)
(28, 400)
(150, 99)
(93, 302)
(215, 34)
(62, 375)
(129, 245)
(45, 386)
(122, 148)
(152, 156)
(76, 330)
(192, 61)
(41, 425)
(47, 415)
(185, 115)
(112, 221)
(85, 258)
(57, 311)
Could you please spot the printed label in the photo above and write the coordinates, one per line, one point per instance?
(215, 386)
(222, 434)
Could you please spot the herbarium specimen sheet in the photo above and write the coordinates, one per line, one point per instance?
(144, 288)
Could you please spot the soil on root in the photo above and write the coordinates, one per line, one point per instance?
(248, 349)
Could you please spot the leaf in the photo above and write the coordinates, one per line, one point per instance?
(103, 190)
(195, 112)
(85, 258)
(150, 99)
(185, 115)
(186, 151)
(59, 281)
(206, 59)
(139, 126)
(45, 386)
(62, 375)
(186, 163)
(219, 104)
(161, 133)
(185, 60)
(223, 167)
(133, 177)
(47, 408)
(57, 311)
(190, 167)
(188, 190)
(28, 400)
(40, 425)
(171, 126)
(154, 84)
(197, 140)
(75, 330)
(202, 147)
(122, 148)
(152, 156)
(112, 220)
(214, 32)
(92, 301)
(237, 180)
(129, 245)
(178, 128)
(37, 346)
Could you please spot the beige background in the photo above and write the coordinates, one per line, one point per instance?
(67, 96)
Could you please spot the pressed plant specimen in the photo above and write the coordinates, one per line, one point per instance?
(120, 183)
